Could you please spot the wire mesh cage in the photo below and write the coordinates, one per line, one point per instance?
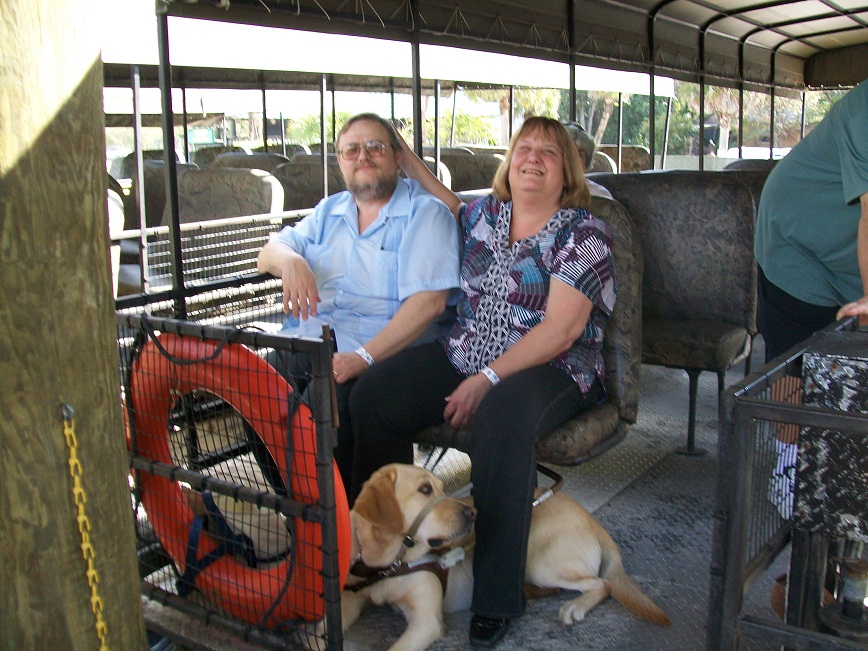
(241, 515)
(211, 250)
(778, 487)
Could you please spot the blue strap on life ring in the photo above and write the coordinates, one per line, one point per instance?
(229, 543)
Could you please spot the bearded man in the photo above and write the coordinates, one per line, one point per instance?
(375, 263)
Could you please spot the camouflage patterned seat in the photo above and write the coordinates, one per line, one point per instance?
(699, 275)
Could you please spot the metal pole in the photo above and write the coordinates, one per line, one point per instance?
(621, 130)
(140, 173)
(323, 158)
(165, 74)
(264, 113)
(802, 120)
(416, 84)
(511, 109)
(454, 108)
(436, 126)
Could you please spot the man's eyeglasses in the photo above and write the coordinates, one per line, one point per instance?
(373, 148)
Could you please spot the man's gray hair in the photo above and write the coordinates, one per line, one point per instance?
(372, 117)
(583, 141)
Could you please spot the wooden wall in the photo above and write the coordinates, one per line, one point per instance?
(57, 343)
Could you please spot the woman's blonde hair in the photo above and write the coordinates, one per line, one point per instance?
(575, 193)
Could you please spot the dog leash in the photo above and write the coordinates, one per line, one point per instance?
(557, 478)
(551, 490)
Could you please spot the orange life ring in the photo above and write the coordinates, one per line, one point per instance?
(251, 386)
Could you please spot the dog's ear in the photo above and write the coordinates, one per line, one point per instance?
(377, 502)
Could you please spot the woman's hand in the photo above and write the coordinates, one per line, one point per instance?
(461, 404)
(347, 366)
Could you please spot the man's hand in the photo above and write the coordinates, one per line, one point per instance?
(348, 366)
(300, 294)
(461, 404)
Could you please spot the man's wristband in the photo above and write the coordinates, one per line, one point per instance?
(491, 375)
(365, 355)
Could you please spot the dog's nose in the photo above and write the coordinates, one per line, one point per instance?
(470, 513)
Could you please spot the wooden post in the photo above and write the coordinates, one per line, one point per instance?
(58, 346)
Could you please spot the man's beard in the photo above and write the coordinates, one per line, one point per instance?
(372, 190)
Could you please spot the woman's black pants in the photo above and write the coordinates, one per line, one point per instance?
(397, 398)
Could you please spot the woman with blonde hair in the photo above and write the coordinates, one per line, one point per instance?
(524, 356)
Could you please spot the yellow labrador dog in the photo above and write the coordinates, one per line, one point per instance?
(402, 514)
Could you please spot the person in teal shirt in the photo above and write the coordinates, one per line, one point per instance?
(811, 245)
(812, 229)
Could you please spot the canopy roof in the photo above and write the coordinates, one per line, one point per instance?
(783, 43)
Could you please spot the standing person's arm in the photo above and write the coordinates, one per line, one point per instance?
(860, 306)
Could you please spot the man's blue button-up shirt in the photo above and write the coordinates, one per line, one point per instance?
(413, 246)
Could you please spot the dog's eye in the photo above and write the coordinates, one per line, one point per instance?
(426, 489)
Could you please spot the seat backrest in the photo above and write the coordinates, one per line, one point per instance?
(696, 231)
(764, 164)
(441, 171)
(115, 204)
(154, 175)
(754, 179)
(204, 156)
(220, 192)
(449, 151)
(128, 164)
(302, 182)
(602, 162)
(622, 346)
(634, 158)
(471, 172)
(265, 161)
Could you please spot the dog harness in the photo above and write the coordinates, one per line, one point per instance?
(439, 564)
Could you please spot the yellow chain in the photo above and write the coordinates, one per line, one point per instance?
(79, 497)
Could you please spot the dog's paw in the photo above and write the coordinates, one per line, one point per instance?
(572, 613)
(309, 636)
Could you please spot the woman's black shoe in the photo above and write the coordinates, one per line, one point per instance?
(487, 632)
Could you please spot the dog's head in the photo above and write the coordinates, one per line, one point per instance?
(395, 496)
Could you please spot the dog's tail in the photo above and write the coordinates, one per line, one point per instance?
(627, 592)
